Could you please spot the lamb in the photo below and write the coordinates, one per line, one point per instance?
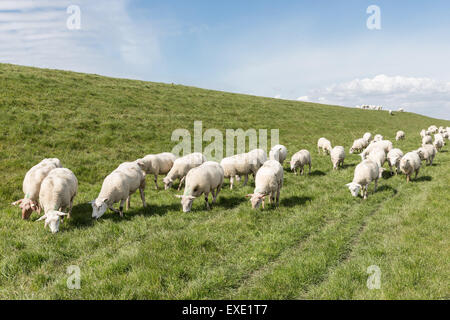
(400, 135)
(427, 140)
(237, 165)
(377, 155)
(337, 156)
(427, 152)
(378, 137)
(32, 184)
(410, 163)
(299, 160)
(118, 186)
(365, 172)
(359, 145)
(367, 136)
(324, 144)
(57, 192)
(157, 164)
(386, 145)
(181, 167)
(268, 182)
(393, 158)
(279, 153)
(204, 179)
(438, 144)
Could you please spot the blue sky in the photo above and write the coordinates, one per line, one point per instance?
(318, 51)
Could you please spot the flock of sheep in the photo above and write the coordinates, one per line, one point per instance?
(49, 187)
(378, 108)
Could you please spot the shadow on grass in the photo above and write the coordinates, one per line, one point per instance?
(294, 201)
(230, 202)
(317, 173)
(385, 187)
(345, 166)
(422, 178)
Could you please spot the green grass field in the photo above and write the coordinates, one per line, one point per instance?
(317, 245)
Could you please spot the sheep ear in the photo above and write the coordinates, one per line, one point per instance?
(249, 195)
(17, 202)
(191, 197)
(42, 218)
(348, 184)
(62, 214)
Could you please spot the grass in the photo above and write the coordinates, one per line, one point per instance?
(316, 245)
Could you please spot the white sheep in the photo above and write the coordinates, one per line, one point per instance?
(359, 145)
(427, 140)
(427, 153)
(409, 164)
(386, 145)
(438, 144)
(324, 144)
(279, 153)
(157, 164)
(268, 182)
(378, 137)
(57, 192)
(391, 112)
(365, 172)
(393, 158)
(299, 160)
(118, 186)
(367, 136)
(238, 165)
(204, 179)
(401, 110)
(423, 133)
(432, 129)
(377, 155)
(181, 167)
(337, 156)
(400, 135)
(32, 185)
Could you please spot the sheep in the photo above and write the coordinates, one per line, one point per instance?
(299, 160)
(438, 144)
(118, 186)
(391, 112)
(401, 110)
(257, 157)
(237, 165)
(386, 145)
(32, 185)
(157, 164)
(427, 152)
(393, 158)
(377, 155)
(337, 156)
(427, 140)
(181, 167)
(365, 172)
(400, 135)
(378, 137)
(432, 129)
(204, 179)
(279, 153)
(268, 182)
(324, 144)
(359, 145)
(423, 133)
(445, 135)
(367, 136)
(57, 192)
(410, 163)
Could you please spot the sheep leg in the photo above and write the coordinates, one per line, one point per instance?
(246, 180)
(141, 191)
(206, 201)
(121, 208)
(156, 181)
(376, 183)
(181, 183)
(231, 182)
(128, 202)
(70, 208)
(417, 172)
(112, 209)
(407, 178)
(278, 197)
(309, 172)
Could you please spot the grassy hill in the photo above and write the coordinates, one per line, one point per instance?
(318, 244)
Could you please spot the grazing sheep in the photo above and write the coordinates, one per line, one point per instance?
(377, 155)
(204, 179)
(118, 186)
(393, 158)
(423, 133)
(279, 153)
(239, 165)
(268, 182)
(427, 152)
(157, 164)
(299, 160)
(400, 135)
(325, 145)
(257, 157)
(386, 145)
(445, 135)
(401, 110)
(432, 129)
(427, 140)
(32, 185)
(359, 145)
(410, 163)
(365, 172)
(57, 192)
(367, 136)
(181, 167)
(438, 144)
(378, 137)
(391, 113)
(337, 156)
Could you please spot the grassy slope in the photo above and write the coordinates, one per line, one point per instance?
(318, 244)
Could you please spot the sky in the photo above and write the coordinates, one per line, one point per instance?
(318, 51)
